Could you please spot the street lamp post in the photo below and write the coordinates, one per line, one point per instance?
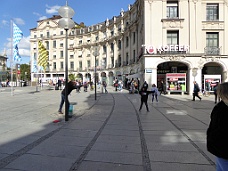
(95, 53)
(66, 23)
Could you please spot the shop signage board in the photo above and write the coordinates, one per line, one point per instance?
(176, 81)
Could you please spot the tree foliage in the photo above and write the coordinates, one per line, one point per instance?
(25, 73)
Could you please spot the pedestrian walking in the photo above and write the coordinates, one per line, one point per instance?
(196, 91)
(144, 98)
(71, 86)
(59, 84)
(105, 86)
(145, 85)
(217, 131)
(215, 93)
(162, 88)
(155, 92)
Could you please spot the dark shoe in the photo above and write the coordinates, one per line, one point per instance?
(139, 110)
(193, 100)
(148, 111)
(200, 99)
(215, 102)
(60, 112)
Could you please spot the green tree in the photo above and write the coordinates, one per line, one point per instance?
(25, 72)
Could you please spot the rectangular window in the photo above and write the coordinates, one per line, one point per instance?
(119, 44)
(61, 65)
(54, 65)
(172, 9)
(212, 12)
(88, 64)
(71, 65)
(134, 37)
(127, 41)
(71, 56)
(54, 56)
(80, 64)
(212, 43)
(112, 47)
(104, 49)
(47, 45)
(54, 43)
(172, 37)
(61, 54)
(48, 34)
(61, 45)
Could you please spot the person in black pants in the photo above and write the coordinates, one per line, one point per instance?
(196, 91)
(215, 93)
(217, 131)
(144, 97)
(71, 86)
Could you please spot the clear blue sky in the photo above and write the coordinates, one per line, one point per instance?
(26, 13)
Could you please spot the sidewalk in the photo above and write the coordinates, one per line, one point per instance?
(108, 134)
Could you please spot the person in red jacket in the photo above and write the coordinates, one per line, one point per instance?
(144, 97)
(217, 139)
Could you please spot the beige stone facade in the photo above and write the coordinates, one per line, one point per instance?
(148, 41)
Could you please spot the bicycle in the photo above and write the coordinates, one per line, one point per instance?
(206, 93)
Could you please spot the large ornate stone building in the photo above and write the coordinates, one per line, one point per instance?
(177, 42)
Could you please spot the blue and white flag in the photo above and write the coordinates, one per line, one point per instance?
(17, 36)
(16, 56)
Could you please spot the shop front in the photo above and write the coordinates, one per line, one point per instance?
(176, 82)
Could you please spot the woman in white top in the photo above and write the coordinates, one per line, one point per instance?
(154, 90)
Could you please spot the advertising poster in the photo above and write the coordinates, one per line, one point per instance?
(176, 81)
(210, 81)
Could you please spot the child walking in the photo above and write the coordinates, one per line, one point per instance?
(155, 92)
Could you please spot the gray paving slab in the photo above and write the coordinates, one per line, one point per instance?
(32, 162)
(192, 157)
(115, 157)
(102, 166)
(161, 166)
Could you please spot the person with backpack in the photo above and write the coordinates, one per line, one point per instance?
(196, 91)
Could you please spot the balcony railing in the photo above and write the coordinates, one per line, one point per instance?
(212, 50)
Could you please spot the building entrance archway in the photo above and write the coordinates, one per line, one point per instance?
(174, 76)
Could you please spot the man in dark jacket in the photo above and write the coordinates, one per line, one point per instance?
(217, 140)
(71, 86)
(196, 91)
(144, 97)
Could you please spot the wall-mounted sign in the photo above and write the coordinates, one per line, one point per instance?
(166, 48)
(148, 70)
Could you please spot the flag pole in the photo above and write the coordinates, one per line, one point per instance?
(11, 61)
(37, 77)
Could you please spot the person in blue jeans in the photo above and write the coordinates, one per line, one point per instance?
(217, 139)
(71, 86)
